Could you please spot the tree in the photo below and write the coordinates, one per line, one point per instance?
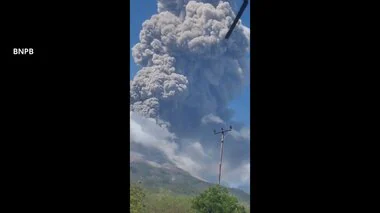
(216, 199)
(137, 196)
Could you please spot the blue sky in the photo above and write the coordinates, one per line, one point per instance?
(139, 12)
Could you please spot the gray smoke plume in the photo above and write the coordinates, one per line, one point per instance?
(178, 7)
(188, 74)
(188, 65)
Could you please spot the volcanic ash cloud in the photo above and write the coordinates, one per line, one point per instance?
(188, 70)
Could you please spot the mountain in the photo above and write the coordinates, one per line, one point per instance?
(157, 177)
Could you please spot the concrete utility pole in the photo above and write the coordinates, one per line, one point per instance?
(221, 148)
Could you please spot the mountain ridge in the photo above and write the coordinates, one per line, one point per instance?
(156, 177)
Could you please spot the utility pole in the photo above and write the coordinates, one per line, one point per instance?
(221, 148)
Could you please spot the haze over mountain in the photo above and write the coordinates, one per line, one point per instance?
(168, 177)
(188, 76)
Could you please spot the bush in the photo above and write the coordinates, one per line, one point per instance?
(217, 199)
(136, 198)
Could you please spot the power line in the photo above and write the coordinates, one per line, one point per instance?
(240, 13)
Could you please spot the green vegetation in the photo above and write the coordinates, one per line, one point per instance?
(170, 189)
(136, 199)
(174, 180)
(168, 203)
(215, 199)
